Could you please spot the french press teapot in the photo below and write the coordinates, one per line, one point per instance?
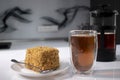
(104, 21)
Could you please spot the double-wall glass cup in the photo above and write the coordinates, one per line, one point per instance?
(83, 46)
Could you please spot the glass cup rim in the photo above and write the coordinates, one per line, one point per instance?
(84, 31)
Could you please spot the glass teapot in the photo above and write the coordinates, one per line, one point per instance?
(104, 21)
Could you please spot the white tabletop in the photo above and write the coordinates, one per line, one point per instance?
(103, 70)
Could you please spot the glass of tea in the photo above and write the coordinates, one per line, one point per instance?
(83, 46)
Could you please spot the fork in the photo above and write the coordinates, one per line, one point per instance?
(41, 71)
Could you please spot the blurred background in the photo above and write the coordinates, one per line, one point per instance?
(47, 19)
(41, 19)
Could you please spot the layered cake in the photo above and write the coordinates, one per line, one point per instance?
(44, 58)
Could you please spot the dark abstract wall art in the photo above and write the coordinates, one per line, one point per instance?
(15, 12)
(46, 19)
(68, 13)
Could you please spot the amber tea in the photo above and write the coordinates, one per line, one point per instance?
(83, 51)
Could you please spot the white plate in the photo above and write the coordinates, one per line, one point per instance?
(21, 70)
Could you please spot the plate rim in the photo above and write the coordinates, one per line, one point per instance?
(57, 71)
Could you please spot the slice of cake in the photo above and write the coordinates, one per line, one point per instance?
(44, 58)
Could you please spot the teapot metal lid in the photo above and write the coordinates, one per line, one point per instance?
(104, 11)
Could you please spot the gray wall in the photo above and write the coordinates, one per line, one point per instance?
(41, 8)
